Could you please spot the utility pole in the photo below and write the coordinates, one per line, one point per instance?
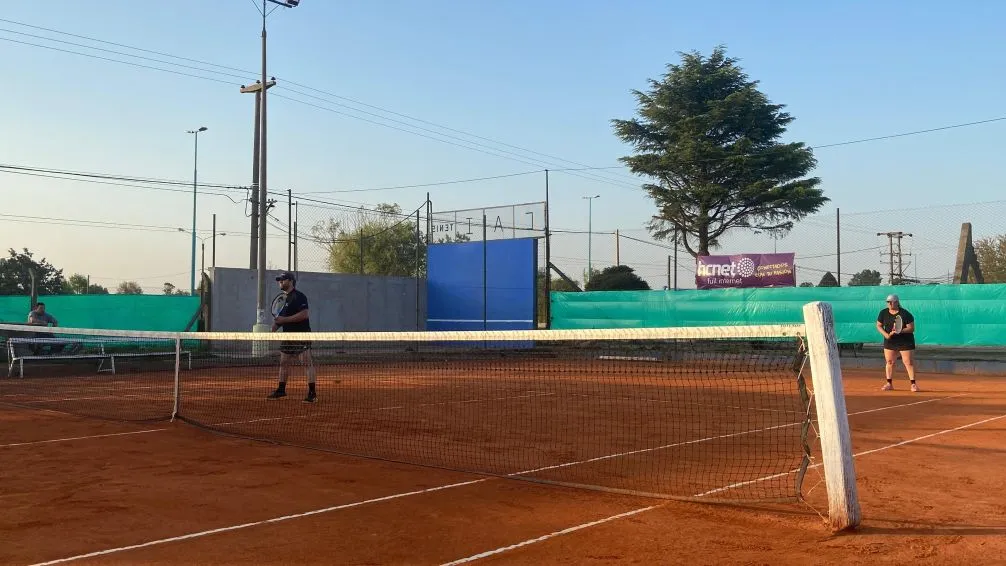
(895, 257)
(261, 322)
(617, 254)
(257, 90)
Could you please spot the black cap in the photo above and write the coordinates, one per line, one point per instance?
(286, 275)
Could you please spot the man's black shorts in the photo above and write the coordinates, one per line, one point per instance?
(293, 348)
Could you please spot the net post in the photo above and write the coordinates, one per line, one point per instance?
(178, 366)
(833, 421)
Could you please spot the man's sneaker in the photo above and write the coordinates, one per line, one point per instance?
(887, 387)
(278, 394)
(312, 397)
(915, 388)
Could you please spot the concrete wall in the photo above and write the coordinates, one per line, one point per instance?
(337, 301)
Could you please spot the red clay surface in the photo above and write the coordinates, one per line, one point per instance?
(936, 500)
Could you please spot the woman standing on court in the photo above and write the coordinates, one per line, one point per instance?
(897, 340)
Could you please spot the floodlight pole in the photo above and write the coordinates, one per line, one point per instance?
(590, 236)
(195, 184)
(260, 312)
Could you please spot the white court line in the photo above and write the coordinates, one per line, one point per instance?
(350, 505)
(78, 399)
(856, 455)
(529, 395)
(256, 523)
(81, 437)
(718, 437)
(566, 531)
(500, 550)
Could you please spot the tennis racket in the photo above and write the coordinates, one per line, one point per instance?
(278, 302)
(898, 324)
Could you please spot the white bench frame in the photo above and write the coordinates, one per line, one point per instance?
(14, 358)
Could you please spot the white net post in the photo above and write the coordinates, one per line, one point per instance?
(178, 370)
(832, 418)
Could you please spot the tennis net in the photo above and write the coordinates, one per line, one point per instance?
(720, 413)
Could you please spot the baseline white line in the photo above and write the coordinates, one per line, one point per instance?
(566, 531)
(255, 524)
(81, 437)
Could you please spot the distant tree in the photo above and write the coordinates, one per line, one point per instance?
(78, 285)
(710, 141)
(129, 288)
(866, 278)
(828, 280)
(617, 278)
(806, 284)
(991, 252)
(170, 289)
(16, 275)
(390, 244)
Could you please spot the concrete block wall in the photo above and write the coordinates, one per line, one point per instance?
(338, 302)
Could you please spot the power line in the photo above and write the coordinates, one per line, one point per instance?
(423, 185)
(476, 146)
(101, 182)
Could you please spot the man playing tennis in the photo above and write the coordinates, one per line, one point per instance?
(897, 340)
(293, 317)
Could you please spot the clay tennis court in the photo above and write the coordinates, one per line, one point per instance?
(88, 491)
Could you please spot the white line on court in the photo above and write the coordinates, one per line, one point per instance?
(500, 550)
(566, 531)
(80, 437)
(856, 455)
(256, 523)
(400, 495)
(531, 394)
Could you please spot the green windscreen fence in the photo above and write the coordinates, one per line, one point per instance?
(118, 312)
(947, 315)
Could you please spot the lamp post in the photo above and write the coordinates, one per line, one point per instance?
(195, 182)
(260, 311)
(590, 235)
(202, 242)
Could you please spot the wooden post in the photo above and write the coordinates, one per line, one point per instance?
(833, 420)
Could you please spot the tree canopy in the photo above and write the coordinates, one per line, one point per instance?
(129, 288)
(616, 278)
(708, 141)
(16, 275)
(865, 278)
(78, 284)
(991, 252)
(387, 240)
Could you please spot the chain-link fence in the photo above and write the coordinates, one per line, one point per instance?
(906, 246)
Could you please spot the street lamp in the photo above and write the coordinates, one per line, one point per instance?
(195, 180)
(590, 216)
(260, 311)
(202, 240)
(255, 89)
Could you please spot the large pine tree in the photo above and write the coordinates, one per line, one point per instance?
(708, 140)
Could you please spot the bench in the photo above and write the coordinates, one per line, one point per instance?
(46, 347)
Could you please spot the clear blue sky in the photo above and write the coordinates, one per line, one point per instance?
(545, 76)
